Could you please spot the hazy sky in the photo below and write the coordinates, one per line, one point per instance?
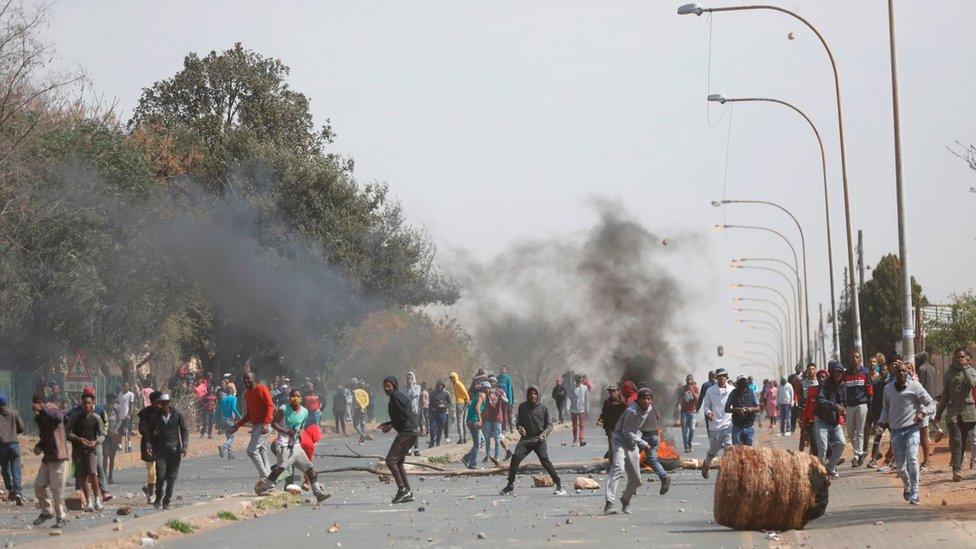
(495, 121)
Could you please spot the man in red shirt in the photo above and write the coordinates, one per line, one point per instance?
(259, 413)
(687, 403)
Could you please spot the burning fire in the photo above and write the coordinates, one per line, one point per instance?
(665, 450)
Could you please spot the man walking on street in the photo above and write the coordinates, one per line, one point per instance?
(613, 407)
(534, 428)
(145, 445)
(170, 440)
(85, 430)
(440, 403)
(559, 395)
(412, 390)
(627, 443)
(906, 404)
(505, 384)
(957, 402)
(785, 400)
(857, 382)
(228, 414)
(701, 395)
(688, 408)
(53, 447)
(741, 404)
(403, 419)
(11, 426)
(831, 400)
(719, 422)
(340, 411)
(461, 401)
(578, 406)
(360, 402)
(259, 414)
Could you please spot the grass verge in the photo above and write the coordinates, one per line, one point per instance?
(276, 502)
(180, 526)
(227, 515)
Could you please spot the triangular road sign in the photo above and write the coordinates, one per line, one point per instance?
(78, 371)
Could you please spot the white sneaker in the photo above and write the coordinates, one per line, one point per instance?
(98, 504)
(560, 491)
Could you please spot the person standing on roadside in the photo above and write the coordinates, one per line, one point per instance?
(145, 445)
(424, 409)
(720, 422)
(534, 427)
(906, 404)
(785, 400)
(440, 403)
(403, 419)
(112, 437)
(688, 408)
(85, 430)
(505, 384)
(613, 407)
(208, 407)
(259, 413)
(858, 393)
(360, 402)
(11, 426)
(957, 402)
(461, 401)
(831, 400)
(559, 395)
(126, 401)
(742, 406)
(227, 416)
(701, 395)
(412, 390)
(170, 441)
(578, 406)
(52, 445)
(339, 409)
(493, 420)
(627, 443)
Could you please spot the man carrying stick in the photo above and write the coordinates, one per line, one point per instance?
(533, 425)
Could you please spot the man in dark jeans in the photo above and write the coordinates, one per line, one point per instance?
(559, 395)
(534, 427)
(169, 439)
(404, 421)
(957, 401)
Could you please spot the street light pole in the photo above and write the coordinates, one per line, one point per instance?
(796, 269)
(796, 296)
(786, 317)
(786, 302)
(823, 169)
(694, 9)
(803, 250)
(758, 324)
(907, 319)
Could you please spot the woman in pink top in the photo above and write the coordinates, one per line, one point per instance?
(772, 411)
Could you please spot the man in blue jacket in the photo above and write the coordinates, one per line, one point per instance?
(505, 384)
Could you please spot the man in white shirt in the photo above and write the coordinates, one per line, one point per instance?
(720, 422)
(124, 404)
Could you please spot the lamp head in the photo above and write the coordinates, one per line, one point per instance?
(690, 9)
(717, 98)
(717, 203)
(719, 227)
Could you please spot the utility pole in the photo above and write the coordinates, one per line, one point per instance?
(860, 259)
(907, 319)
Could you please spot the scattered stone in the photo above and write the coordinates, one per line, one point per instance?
(148, 541)
(584, 483)
(117, 527)
(495, 502)
(569, 521)
(334, 528)
(681, 509)
(421, 509)
(944, 502)
(123, 511)
(879, 523)
(542, 481)
(482, 535)
(128, 495)
(470, 497)
(152, 535)
(55, 532)
(116, 520)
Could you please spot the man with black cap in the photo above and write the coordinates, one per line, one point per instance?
(719, 422)
(831, 407)
(627, 443)
(145, 445)
(534, 426)
(169, 439)
(613, 408)
(742, 404)
(404, 421)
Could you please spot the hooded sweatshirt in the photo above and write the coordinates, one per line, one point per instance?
(957, 394)
(534, 418)
(412, 391)
(828, 397)
(629, 391)
(440, 400)
(402, 416)
(505, 384)
(460, 391)
(631, 425)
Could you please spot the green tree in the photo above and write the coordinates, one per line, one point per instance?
(880, 309)
(959, 329)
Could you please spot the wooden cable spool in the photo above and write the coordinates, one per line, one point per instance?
(767, 489)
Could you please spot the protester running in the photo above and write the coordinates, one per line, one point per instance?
(404, 421)
(534, 427)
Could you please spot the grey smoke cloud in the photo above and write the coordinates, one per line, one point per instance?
(605, 303)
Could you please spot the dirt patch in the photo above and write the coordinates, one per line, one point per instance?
(956, 499)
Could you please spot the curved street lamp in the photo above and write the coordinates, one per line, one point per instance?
(796, 295)
(695, 9)
(823, 169)
(786, 316)
(755, 323)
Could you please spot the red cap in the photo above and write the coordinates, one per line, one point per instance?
(88, 391)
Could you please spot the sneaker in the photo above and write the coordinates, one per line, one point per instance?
(106, 497)
(42, 518)
(559, 491)
(855, 462)
(320, 494)
(165, 507)
(956, 476)
(399, 496)
(608, 508)
(230, 454)
(263, 487)
(220, 450)
(59, 524)
(416, 452)
(872, 464)
(97, 506)
(447, 440)
(18, 499)
(459, 442)
(583, 443)
(884, 469)
(665, 485)
(833, 475)
(507, 490)
(157, 504)
(625, 506)
(841, 461)
(407, 497)
(913, 501)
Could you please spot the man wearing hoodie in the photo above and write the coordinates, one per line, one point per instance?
(11, 426)
(412, 391)
(578, 406)
(831, 400)
(627, 443)
(440, 403)
(461, 401)
(957, 401)
(559, 395)
(403, 419)
(505, 384)
(534, 428)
